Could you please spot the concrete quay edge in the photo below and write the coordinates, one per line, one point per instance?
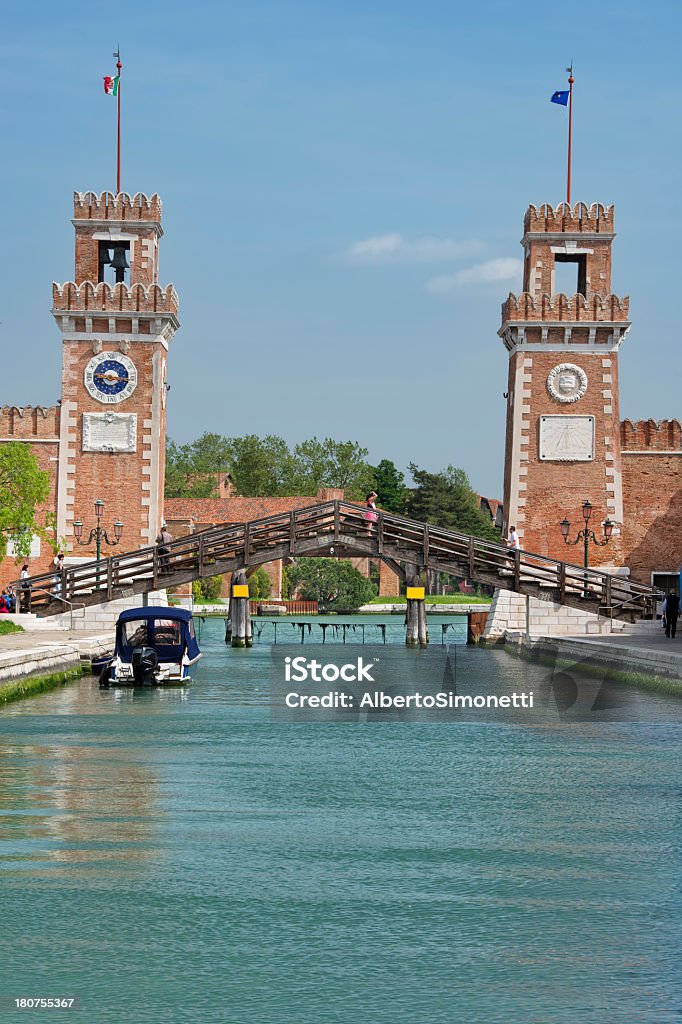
(45, 658)
(617, 655)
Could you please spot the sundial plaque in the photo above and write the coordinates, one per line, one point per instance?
(566, 438)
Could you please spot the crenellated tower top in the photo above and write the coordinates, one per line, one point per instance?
(579, 218)
(117, 238)
(580, 235)
(566, 298)
(116, 279)
(122, 207)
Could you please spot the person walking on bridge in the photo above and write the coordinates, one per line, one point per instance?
(163, 541)
(371, 515)
(513, 540)
(671, 610)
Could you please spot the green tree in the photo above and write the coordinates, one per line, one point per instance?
(332, 463)
(260, 584)
(389, 483)
(335, 585)
(262, 466)
(23, 487)
(207, 589)
(192, 469)
(446, 499)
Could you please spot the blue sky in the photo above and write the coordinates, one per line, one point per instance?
(344, 187)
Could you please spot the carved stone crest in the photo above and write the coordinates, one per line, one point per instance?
(567, 382)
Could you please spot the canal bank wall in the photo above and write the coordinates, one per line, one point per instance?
(640, 659)
(34, 662)
(510, 612)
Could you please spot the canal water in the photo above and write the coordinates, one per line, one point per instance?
(176, 856)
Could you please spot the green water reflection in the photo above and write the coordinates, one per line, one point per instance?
(176, 856)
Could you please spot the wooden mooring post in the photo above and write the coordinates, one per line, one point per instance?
(416, 630)
(228, 620)
(241, 634)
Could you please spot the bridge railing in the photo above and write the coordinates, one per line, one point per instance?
(316, 530)
(478, 556)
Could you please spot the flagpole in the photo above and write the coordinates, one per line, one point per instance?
(570, 129)
(118, 146)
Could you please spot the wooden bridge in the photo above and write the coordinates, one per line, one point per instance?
(339, 530)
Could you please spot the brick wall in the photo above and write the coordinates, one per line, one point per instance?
(652, 496)
(389, 583)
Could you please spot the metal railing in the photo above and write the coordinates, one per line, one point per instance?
(54, 597)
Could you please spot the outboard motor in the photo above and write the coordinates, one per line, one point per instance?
(145, 664)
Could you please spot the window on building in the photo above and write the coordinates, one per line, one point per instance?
(666, 581)
(570, 274)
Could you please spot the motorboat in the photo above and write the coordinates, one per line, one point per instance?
(155, 646)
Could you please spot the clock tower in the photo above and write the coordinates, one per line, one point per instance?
(563, 422)
(116, 323)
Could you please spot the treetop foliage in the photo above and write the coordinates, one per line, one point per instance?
(446, 499)
(268, 466)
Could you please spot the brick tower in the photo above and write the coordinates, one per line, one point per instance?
(563, 424)
(116, 324)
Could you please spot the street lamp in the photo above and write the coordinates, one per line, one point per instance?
(587, 535)
(98, 532)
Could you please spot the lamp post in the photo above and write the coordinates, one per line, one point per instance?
(587, 536)
(98, 533)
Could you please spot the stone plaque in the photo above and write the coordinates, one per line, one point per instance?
(567, 382)
(566, 438)
(109, 431)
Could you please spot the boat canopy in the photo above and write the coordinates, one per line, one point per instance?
(170, 631)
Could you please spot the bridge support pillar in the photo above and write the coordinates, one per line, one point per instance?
(416, 629)
(240, 612)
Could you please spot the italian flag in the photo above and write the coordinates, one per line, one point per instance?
(111, 85)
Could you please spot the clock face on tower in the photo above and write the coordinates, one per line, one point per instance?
(110, 377)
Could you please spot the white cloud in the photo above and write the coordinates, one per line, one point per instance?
(504, 269)
(395, 248)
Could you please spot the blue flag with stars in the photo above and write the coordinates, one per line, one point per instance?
(560, 97)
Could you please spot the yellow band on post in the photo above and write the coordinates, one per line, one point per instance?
(415, 593)
(240, 590)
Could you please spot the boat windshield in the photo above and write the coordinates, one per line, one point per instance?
(167, 632)
(136, 633)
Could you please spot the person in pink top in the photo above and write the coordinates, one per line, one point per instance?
(371, 515)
